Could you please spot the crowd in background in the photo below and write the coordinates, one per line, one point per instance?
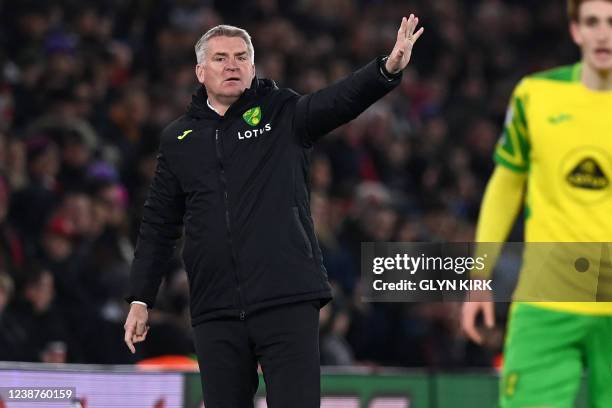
(87, 86)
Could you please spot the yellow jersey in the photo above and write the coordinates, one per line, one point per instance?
(559, 133)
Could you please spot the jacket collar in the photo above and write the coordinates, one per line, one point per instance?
(198, 107)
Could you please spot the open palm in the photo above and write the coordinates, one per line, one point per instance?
(406, 37)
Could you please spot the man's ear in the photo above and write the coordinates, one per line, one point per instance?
(199, 71)
(253, 73)
(575, 32)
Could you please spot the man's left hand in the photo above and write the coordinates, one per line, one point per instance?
(406, 37)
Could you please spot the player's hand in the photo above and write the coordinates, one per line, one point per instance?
(470, 312)
(136, 327)
(406, 37)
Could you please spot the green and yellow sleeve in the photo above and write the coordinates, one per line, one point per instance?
(512, 150)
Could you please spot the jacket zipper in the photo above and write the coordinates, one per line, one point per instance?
(227, 223)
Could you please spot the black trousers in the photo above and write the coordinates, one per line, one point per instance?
(285, 341)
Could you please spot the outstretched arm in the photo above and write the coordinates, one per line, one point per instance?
(322, 111)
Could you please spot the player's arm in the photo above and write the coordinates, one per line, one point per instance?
(502, 201)
(320, 112)
(505, 191)
(501, 204)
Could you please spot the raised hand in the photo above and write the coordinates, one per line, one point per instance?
(406, 37)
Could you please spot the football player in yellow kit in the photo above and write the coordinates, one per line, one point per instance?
(555, 157)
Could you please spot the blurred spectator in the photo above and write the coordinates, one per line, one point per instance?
(48, 337)
(32, 205)
(110, 254)
(342, 268)
(13, 336)
(12, 257)
(334, 321)
(75, 157)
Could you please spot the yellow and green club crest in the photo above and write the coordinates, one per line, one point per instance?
(252, 116)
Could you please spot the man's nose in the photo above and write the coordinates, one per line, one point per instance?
(604, 34)
(231, 65)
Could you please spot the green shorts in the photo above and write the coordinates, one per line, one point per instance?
(546, 354)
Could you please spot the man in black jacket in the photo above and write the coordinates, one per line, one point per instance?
(234, 171)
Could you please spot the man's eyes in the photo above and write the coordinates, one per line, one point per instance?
(591, 22)
(240, 58)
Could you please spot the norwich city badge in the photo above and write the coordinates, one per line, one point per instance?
(252, 116)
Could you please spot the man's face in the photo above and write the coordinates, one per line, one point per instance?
(593, 33)
(227, 69)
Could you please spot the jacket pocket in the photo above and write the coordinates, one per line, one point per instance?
(300, 226)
